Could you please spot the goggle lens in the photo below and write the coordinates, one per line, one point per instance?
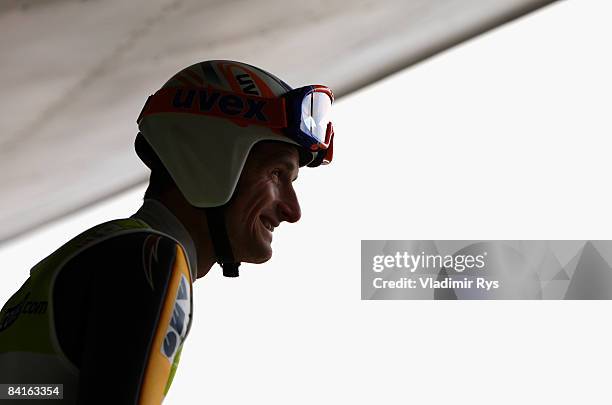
(316, 115)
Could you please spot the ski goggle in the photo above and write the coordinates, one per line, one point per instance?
(302, 114)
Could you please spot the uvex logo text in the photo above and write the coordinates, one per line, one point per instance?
(240, 108)
(177, 329)
(230, 104)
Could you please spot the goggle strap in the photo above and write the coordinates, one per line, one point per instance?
(240, 108)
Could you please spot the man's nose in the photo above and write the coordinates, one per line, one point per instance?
(289, 206)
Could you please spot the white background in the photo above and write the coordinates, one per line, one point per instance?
(504, 137)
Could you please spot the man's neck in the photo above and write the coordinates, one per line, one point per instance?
(194, 221)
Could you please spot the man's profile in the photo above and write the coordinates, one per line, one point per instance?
(224, 142)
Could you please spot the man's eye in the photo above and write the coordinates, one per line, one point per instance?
(276, 173)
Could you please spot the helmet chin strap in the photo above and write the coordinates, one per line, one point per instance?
(220, 241)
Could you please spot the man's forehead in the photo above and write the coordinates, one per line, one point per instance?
(276, 152)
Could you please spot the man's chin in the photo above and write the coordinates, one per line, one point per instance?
(259, 257)
(257, 261)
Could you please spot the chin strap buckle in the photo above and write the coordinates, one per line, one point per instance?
(230, 269)
(220, 241)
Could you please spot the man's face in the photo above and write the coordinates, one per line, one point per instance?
(264, 198)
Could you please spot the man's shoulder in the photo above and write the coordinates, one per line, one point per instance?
(118, 228)
(138, 262)
(125, 241)
(125, 235)
(114, 244)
